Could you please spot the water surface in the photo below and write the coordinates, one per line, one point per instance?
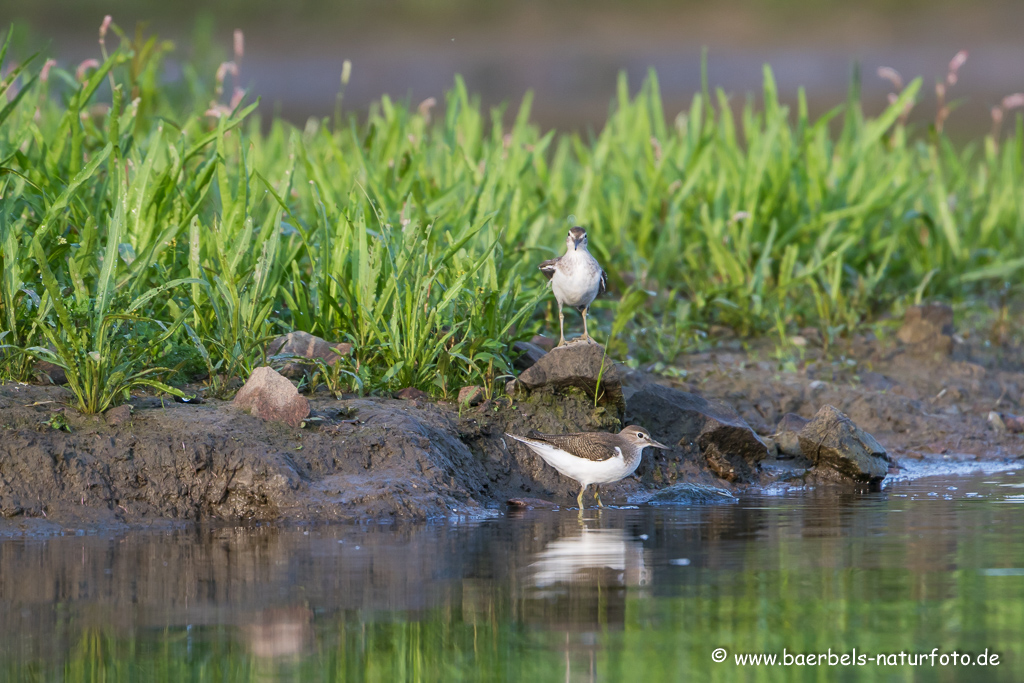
(625, 594)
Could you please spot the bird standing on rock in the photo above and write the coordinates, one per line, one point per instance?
(576, 279)
(592, 457)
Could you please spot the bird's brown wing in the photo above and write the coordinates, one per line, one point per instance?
(596, 446)
(548, 267)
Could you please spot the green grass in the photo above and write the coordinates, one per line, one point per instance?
(126, 205)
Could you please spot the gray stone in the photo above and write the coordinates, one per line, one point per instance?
(834, 444)
(529, 354)
(271, 396)
(787, 434)
(580, 364)
(305, 345)
(729, 445)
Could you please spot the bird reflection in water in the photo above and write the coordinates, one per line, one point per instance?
(578, 585)
(278, 638)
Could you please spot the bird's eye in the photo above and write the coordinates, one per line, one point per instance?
(640, 435)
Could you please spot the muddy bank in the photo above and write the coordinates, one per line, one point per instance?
(363, 459)
(359, 459)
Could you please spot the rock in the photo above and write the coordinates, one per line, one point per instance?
(270, 396)
(832, 442)
(787, 434)
(471, 396)
(118, 415)
(411, 394)
(996, 421)
(581, 365)
(529, 354)
(305, 345)
(729, 445)
(928, 330)
(54, 373)
(543, 342)
(688, 493)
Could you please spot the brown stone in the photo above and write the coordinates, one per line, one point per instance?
(411, 394)
(543, 342)
(270, 396)
(305, 345)
(471, 396)
(118, 415)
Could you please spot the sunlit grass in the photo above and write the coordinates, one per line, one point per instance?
(416, 239)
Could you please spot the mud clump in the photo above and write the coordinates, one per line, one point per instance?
(927, 330)
(835, 445)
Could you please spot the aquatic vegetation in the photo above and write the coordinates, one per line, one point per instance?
(414, 238)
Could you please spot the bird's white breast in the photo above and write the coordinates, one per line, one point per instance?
(577, 280)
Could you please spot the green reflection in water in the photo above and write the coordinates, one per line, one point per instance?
(630, 595)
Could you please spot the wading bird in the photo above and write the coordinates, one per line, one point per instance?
(592, 457)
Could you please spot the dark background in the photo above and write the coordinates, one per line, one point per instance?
(568, 52)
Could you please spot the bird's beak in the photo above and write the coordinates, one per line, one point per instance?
(657, 445)
(576, 243)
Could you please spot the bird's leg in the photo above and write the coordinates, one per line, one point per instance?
(561, 325)
(597, 495)
(586, 336)
(579, 498)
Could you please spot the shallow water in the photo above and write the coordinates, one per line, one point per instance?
(625, 594)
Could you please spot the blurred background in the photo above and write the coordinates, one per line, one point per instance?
(569, 53)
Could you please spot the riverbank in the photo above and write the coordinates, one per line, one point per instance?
(936, 406)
